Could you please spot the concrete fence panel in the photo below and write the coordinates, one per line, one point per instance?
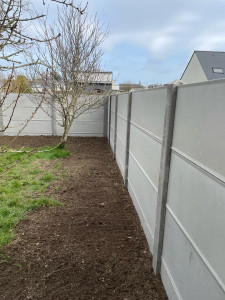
(121, 137)
(176, 178)
(169, 144)
(193, 257)
(112, 123)
(147, 117)
(40, 124)
(91, 123)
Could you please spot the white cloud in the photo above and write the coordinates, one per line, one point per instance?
(167, 31)
(209, 42)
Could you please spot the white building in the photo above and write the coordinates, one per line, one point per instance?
(204, 66)
(96, 81)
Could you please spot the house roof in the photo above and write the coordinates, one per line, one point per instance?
(210, 60)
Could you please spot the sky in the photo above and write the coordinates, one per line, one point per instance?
(151, 41)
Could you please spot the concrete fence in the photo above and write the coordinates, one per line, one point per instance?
(91, 123)
(169, 144)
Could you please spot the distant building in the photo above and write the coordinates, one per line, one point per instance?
(155, 85)
(126, 87)
(204, 66)
(97, 81)
(115, 87)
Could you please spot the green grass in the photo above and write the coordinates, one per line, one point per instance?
(21, 186)
(53, 154)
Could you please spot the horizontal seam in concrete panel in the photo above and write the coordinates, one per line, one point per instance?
(121, 117)
(145, 219)
(147, 132)
(202, 257)
(90, 133)
(85, 135)
(23, 107)
(45, 120)
(121, 140)
(13, 133)
(209, 172)
(86, 121)
(171, 279)
(36, 120)
(50, 133)
(144, 173)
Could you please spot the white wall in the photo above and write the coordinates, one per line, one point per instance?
(194, 239)
(91, 123)
(193, 256)
(146, 129)
(121, 132)
(112, 122)
(194, 72)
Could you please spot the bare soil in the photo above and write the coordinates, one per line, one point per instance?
(93, 247)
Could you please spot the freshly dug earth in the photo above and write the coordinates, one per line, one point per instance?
(93, 247)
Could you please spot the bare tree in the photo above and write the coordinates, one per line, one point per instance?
(16, 16)
(71, 63)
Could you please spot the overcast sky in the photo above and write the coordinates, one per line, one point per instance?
(151, 41)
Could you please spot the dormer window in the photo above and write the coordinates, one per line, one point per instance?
(218, 70)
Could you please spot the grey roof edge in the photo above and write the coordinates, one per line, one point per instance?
(212, 51)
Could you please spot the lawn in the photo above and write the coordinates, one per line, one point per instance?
(23, 182)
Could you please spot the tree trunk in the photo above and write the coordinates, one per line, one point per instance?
(65, 135)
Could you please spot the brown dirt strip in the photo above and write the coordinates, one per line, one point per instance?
(91, 248)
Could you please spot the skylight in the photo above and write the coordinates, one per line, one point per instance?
(218, 70)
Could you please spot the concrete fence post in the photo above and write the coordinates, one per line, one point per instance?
(1, 119)
(109, 120)
(127, 141)
(115, 129)
(53, 115)
(1, 115)
(164, 175)
(105, 125)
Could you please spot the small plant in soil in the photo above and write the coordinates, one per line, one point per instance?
(21, 187)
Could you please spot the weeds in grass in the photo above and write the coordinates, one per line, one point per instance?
(4, 258)
(21, 188)
(7, 259)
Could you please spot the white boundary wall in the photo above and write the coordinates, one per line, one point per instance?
(146, 128)
(121, 133)
(90, 123)
(112, 120)
(192, 256)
